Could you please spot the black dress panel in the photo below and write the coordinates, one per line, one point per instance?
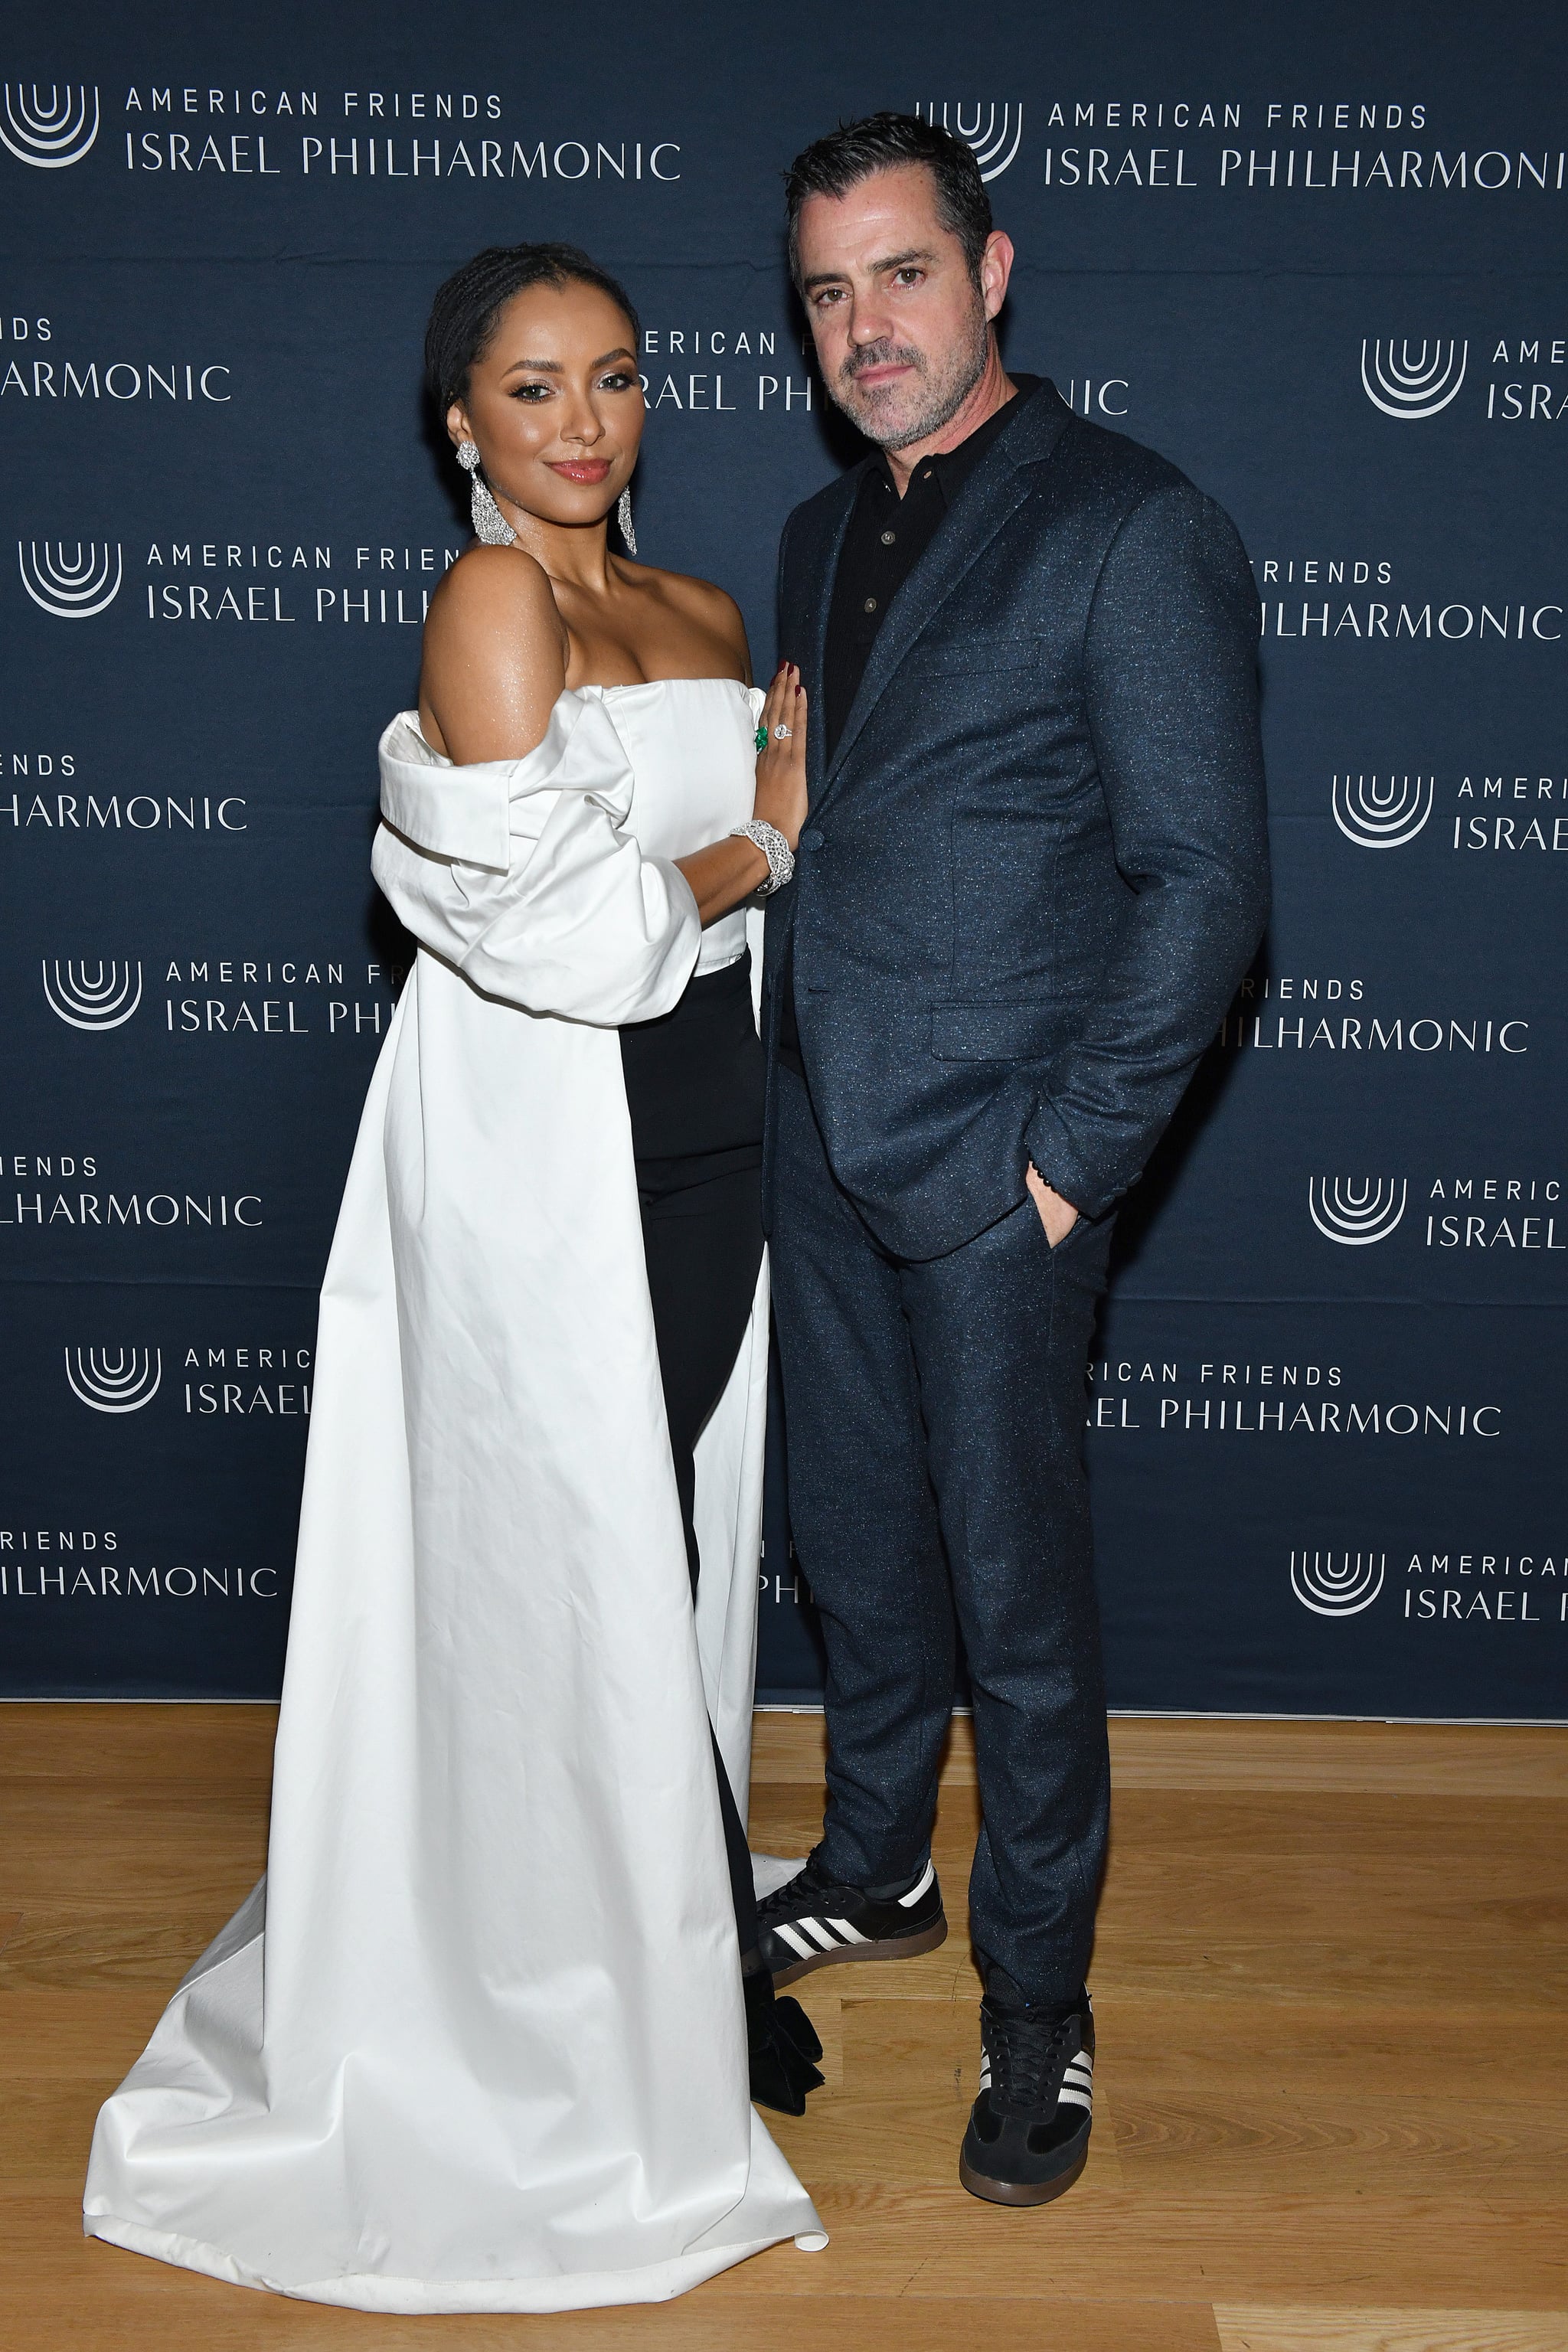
(694, 1089)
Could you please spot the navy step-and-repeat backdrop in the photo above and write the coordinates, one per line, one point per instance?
(1318, 261)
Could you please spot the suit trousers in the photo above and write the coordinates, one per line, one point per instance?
(934, 1415)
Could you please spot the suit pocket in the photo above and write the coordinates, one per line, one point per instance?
(994, 1032)
(972, 652)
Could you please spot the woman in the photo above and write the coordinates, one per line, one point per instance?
(502, 2062)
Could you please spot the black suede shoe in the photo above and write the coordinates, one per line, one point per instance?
(1028, 2130)
(813, 1920)
(781, 2047)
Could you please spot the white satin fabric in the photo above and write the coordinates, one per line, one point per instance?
(476, 2044)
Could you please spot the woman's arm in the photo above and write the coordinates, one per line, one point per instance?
(494, 659)
(729, 872)
(494, 666)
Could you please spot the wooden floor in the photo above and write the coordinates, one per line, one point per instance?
(1332, 1988)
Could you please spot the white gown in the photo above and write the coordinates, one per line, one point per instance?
(476, 2042)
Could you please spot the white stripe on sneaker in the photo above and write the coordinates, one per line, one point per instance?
(907, 1902)
(818, 1933)
(797, 1944)
(1068, 2097)
(850, 1935)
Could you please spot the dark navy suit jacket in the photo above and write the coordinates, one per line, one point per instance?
(1036, 867)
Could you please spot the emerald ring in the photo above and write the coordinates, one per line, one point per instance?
(761, 737)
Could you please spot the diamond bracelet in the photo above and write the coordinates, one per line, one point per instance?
(774, 848)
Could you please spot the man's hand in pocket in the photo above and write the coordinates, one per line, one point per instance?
(1057, 1216)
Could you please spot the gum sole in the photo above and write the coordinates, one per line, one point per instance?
(901, 1948)
(1013, 2192)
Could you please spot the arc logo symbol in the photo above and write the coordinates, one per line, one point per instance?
(48, 133)
(990, 131)
(1410, 380)
(92, 995)
(1337, 1584)
(1382, 811)
(1356, 1210)
(72, 586)
(114, 1380)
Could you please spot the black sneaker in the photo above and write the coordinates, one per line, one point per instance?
(813, 1920)
(1028, 2130)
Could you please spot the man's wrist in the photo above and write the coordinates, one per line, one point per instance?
(1039, 1173)
(1050, 1143)
(1056, 1213)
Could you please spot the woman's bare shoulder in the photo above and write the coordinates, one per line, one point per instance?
(702, 597)
(505, 581)
(707, 606)
(494, 654)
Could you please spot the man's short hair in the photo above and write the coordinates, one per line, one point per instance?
(831, 166)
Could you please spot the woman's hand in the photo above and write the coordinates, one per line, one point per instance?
(729, 872)
(781, 766)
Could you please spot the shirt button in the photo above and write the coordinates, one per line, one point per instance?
(888, 537)
(869, 605)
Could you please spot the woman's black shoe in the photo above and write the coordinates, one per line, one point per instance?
(782, 2046)
(1028, 2130)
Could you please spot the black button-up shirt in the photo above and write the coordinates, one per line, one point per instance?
(886, 538)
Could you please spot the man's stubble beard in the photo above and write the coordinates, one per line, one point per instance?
(943, 393)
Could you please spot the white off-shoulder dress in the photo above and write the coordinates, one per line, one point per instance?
(476, 2042)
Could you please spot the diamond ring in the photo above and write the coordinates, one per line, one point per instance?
(781, 733)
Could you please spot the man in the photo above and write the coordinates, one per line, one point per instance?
(1033, 872)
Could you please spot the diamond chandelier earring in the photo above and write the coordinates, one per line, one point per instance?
(490, 524)
(624, 518)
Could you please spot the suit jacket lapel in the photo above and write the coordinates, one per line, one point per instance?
(998, 487)
(819, 570)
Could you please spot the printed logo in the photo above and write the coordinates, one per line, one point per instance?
(73, 587)
(1412, 380)
(114, 1380)
(92, 996)
(1356, 1210)
(1337, 1584)
(1382, 811)
(990, 132)
(48, 133)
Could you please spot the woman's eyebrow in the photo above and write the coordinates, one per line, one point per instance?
(553, 367)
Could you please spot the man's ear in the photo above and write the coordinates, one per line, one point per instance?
(995, 269)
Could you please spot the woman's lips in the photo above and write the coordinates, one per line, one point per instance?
(581, 469)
